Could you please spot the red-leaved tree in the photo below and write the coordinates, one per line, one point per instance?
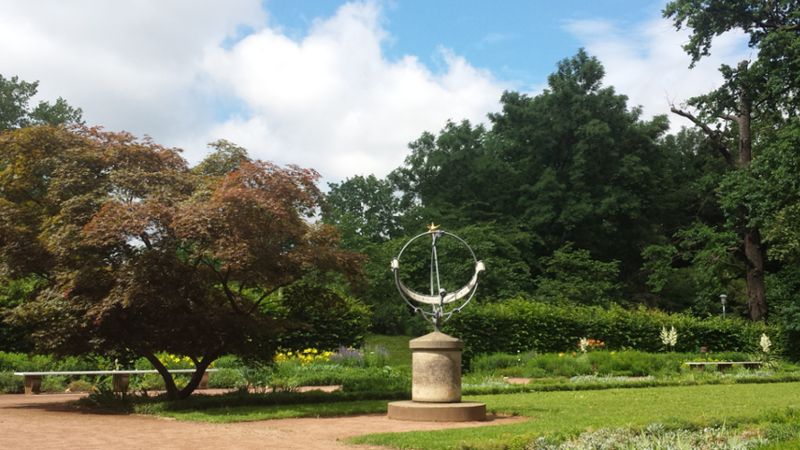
(139, 253)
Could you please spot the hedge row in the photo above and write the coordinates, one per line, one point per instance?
(520, 325)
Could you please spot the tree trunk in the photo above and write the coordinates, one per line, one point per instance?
(756, 292)
(751, 237)
(169, 382)
(753, 250)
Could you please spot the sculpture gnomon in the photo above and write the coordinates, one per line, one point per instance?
(438, 297)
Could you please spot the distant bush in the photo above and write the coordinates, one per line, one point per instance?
(521, 325)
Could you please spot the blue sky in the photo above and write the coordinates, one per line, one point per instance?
(519, 41)
(338, 86)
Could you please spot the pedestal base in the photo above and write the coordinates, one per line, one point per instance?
(437, 412)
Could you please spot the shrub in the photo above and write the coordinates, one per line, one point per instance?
(11, 384)
(224, 378)
(375, 379)
(559, 365)
(520, 326)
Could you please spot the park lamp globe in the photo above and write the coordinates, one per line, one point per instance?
(723, 298)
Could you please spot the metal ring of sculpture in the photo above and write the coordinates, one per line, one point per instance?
(439, 296)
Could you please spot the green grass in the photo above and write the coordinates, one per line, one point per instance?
(573, 412)
(253, 413)
(397, 346)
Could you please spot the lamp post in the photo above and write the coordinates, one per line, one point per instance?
(723, 298)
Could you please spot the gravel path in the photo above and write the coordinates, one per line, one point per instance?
(47, 421)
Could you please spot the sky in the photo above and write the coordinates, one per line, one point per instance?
(340, 87)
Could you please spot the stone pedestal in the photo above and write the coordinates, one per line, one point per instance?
(33, 384)
(436, 368)
(436, 383)
(120, 382)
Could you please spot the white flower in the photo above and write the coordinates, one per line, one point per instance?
(669, 337)
(584, 344)
(765, 343)
(673, 337)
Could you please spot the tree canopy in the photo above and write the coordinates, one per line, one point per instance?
(15, 112)
(136, 252)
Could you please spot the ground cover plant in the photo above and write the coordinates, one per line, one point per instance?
(559, 416)
(630, 363)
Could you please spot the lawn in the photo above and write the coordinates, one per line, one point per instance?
(571, 412)
(253, 413)
(397, 346)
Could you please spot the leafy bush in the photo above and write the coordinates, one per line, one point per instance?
(520, 326)
(375, 379)
(625, 363)
(224, 378)
(324, 319)
(11, 384)
(21, 362)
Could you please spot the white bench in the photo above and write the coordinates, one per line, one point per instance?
(722, 366)
(120, 381)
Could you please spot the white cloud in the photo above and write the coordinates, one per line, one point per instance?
(130, 65)
(332, 101)
(329, 100)
(647, 62)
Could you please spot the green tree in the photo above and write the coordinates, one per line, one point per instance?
(141, 254)
(755, 95)
(573, 277)
(365, 210)
(16, 113)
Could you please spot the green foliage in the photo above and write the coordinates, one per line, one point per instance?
(321, 318)
(365, 210)
(10, 383)
(14, 293)
(629, 363)
(572, 277)
(225, 158)
(396, 346)
(15, 112)
(385, 379)
(521, 325)
(141, 254)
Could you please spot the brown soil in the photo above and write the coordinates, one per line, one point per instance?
(48, 421)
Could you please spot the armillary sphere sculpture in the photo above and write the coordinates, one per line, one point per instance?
(438, 297)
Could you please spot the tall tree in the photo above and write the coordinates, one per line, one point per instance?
(573, 164)
(140, 253)
(366, 211)
(763, 91)
(16, 113)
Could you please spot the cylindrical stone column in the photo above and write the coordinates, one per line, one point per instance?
(436, 368)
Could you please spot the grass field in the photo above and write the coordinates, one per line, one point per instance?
(571, 412)
(397, 346)
(253, 413)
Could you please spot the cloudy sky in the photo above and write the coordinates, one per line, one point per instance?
(341, 87)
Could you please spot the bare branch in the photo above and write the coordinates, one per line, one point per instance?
(715, 139)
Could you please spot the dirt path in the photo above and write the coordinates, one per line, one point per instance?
(46, 421)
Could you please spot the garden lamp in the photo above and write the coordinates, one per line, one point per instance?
(723, 298)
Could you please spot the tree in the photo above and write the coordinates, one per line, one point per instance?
(15, 112)
(572, 277)
(755, 94)
(141, 254)
(365, 210)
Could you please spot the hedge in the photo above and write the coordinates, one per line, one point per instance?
(521, 325)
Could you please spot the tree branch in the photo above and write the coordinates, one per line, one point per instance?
(230, 295)
(716, 141)
(267, 294)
